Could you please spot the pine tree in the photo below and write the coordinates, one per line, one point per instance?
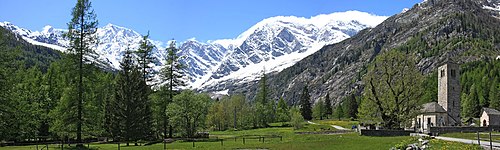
(305, 104)
(81, 33)
(145, 59)
(172, 74)
(328, 105)
(131, 112)
(351, 106)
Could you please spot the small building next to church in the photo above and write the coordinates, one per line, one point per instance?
(489, 117)
(445, 112)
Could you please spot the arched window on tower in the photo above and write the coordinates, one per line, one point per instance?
(442, 73)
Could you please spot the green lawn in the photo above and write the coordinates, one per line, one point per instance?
(290, 141)
(435, 144)
(440, 144)
(483, 135)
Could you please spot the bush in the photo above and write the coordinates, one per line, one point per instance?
(297, 118)
(403, 144)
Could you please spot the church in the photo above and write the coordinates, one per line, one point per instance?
(445, 112)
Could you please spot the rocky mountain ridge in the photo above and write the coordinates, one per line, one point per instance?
(434, 30)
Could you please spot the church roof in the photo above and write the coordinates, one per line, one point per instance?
(491, 111)
(432, 107)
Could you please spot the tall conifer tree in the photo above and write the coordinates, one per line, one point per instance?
(171, 74)
(305, 104)
(328, 105)
(144, 53)
(81, 33)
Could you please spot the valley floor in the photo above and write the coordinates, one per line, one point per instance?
(290, 140)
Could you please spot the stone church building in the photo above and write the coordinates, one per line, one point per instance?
(445, 112)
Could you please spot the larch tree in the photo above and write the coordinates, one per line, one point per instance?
(145, 58)
(282, 111)
(471, 106)
(81, 33)
(263, 106)
(339, 111)
(319, 110)
(172, 74)
(494, 95)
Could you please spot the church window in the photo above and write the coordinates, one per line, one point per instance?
(442, 73)
(452, 73)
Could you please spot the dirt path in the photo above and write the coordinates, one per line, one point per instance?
(334, 126)
(339, 127)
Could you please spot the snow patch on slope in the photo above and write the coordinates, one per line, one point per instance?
(254, 71)
(495, 8)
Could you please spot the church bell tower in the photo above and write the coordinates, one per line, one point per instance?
(449, 92)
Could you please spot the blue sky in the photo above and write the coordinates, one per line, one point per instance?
(184, 19)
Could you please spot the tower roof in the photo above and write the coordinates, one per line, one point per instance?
(447, 60)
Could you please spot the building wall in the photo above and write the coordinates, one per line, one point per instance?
(494, 120)
(425, 125)
(484, 117)
(449, 91)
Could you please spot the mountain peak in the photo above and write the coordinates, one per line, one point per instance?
(47, 29)
(110, 26)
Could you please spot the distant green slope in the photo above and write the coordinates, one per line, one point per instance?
(16, 52)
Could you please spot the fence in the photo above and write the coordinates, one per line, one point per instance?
(451, 129)
(489, 139)
(244, 139)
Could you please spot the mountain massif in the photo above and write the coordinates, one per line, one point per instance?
(292, 49)
(434, 30)
(276, 43)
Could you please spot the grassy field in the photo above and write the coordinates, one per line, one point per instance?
(342, 123)
(473, 136)
(440, 144)
(290, 141)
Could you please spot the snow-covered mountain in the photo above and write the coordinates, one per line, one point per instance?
(113, 41)
(279, 42)
(274, 43)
